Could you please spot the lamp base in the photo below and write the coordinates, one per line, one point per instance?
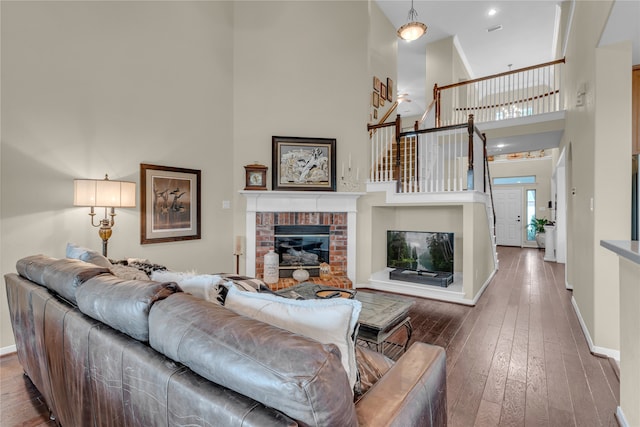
(105, 232)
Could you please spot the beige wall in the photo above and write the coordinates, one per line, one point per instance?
(383, 56)
(598, 141)
(475, 216)
(630, 341)
(612, 182)
(318, 85)
(90, 88)
(444, 65)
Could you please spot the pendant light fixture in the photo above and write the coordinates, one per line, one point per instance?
(413, 29)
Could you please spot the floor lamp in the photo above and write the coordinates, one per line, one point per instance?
(107, 194)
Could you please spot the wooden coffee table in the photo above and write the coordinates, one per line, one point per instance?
(381, 317)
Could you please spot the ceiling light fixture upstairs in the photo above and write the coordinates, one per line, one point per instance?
(413, 29)
(403, 98)
(492, 12)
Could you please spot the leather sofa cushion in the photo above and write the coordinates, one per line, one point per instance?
(122, 304)
(330, 321)
(296, 375)
(63, 276)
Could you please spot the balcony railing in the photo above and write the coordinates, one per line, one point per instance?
(428, 160)
(518, 93)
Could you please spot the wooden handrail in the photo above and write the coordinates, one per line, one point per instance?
(388, 113)
(493, 76)
(381, 123)
(424, 116)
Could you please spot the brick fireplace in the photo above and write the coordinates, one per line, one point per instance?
(266, 223)
(266, 209)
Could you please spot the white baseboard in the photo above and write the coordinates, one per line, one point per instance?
(486, 283)
(453, 293)
(568, 285)
(7, 350)
(622, 421)
(603, 351)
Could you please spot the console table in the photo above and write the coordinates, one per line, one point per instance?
(381, 317)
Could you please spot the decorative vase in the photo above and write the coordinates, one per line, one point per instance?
(300, 274)
(541, 239)
(325, 271)
(271, 261)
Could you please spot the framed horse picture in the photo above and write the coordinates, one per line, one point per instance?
(303, 164)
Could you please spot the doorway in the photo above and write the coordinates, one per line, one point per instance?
(508, 205)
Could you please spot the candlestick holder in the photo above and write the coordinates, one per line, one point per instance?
(237, 251)
(349, 180)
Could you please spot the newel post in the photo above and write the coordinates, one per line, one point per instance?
(398, 130)
(470, 183)
(436, 96)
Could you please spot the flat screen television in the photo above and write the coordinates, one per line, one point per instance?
(420, 251)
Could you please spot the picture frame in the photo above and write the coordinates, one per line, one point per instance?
(375, 99)
(375, 114)
(376, 84)
(303, 164)
(383, 92)
(389, 89)
(170, 204)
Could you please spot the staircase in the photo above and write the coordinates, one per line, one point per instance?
(405, 152)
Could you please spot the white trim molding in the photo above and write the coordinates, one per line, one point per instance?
(622, 421)
(601, 351)
(8, 350)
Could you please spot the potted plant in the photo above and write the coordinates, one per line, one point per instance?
(537, 226)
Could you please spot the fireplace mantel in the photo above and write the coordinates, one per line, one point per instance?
(300, 201)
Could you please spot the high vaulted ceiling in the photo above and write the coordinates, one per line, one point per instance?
(527, 37)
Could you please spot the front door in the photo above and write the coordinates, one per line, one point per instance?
(508, 204)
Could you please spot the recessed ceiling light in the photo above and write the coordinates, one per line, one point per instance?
(494, 28)
(492, 12)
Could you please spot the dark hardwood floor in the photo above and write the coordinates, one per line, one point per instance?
(518, 358)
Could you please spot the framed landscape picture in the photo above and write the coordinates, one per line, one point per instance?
(169, 204)
(303, 163)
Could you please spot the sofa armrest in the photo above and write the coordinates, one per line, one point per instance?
(412, 393)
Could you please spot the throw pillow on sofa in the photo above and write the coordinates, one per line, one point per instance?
(128, 273)
(330, 321)
(74, 251)
(203, 286)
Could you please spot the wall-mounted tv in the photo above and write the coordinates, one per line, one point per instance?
(420, 251)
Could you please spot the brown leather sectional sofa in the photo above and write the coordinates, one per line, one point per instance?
(97, 349)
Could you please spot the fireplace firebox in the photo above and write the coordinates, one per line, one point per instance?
(302, 246)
